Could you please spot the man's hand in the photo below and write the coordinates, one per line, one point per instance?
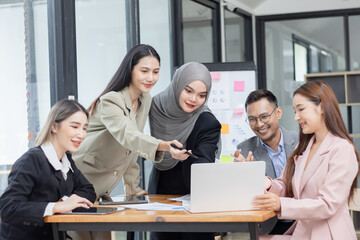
(238, 157)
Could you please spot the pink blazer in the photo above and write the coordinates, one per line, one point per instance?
(320, 203)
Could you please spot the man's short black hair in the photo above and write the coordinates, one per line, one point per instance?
(257, 95)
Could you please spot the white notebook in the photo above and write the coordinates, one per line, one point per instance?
(217, 187)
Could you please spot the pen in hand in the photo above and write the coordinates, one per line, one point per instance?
(188, 153)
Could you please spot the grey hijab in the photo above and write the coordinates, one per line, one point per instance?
(167, 119)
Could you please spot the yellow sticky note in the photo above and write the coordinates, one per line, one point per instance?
(225, 128)
(225, 158)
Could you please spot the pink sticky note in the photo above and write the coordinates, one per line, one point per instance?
(239, 86)
(238, 111)
(215, 75)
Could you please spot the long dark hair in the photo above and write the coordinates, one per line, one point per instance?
(122, 76)
(319, 92)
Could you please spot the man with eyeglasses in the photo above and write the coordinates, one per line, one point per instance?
(272, 144)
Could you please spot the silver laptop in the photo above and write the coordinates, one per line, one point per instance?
(217, 187)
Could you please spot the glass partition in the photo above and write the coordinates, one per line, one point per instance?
(197, 32)
(300, 54)
(234, 37)
(156, 32)
(100, 44)
(296, 47)
(13, 127)
(354, 35)
(25, 101)
(42, 59)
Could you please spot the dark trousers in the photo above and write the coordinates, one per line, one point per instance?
(181, 236)
(172, 182)
(281, 227)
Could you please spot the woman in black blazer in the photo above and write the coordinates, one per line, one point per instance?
(180, 112)
(45, 180)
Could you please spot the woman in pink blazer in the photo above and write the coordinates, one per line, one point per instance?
(320, 175)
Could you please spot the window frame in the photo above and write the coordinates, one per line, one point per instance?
(260, 34)
(177, 30)
(248, 29)
(177, 34)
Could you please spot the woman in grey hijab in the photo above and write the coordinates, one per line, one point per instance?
(179, 112)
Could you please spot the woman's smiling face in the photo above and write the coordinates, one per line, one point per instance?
(193, 96)
(307, 114)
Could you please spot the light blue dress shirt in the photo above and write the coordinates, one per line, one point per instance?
(278, 158)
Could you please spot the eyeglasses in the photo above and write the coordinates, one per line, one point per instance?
(263, 118)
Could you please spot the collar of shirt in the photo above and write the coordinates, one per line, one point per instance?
(64, 165)
(278, 158)
(270, 150)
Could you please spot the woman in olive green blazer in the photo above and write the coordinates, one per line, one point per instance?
(114, 135)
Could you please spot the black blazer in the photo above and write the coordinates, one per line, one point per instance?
(203, 142)
(33, 183)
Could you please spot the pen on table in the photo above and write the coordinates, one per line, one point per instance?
(177, 208)
(188, 153)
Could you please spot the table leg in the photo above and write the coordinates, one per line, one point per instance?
(58, 235)
(254, 230)
(130, 236)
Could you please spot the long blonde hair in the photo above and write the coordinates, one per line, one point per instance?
(59, 112)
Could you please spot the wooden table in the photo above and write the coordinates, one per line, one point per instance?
(161, 221)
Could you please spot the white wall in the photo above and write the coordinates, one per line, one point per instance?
(292, 6)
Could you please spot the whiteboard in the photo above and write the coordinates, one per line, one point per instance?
(231, 84)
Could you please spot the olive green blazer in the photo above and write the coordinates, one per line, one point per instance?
(114, 141)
